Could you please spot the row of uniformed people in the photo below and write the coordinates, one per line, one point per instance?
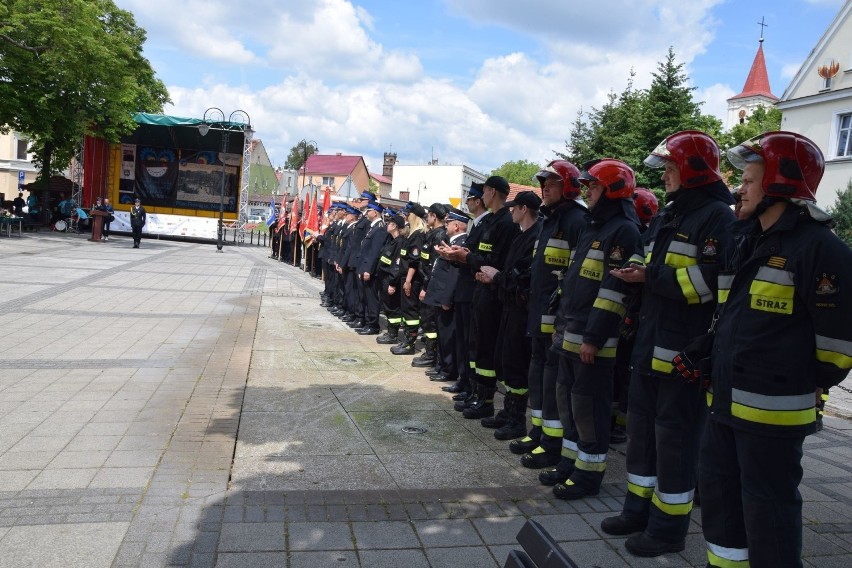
(778, 276)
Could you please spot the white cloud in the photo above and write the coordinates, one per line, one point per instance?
(328, 80)
(715, 99)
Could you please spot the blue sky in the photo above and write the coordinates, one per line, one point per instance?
(478, 82)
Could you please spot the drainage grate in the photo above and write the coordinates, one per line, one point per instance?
(347, 360)
(413, 430)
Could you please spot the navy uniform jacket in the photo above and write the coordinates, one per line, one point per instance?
(388, 268)
(445, 274)
(557, 240)
(592, 304)
(359, 231)
(685, 247)
(784, 327)
(513, 281)
(466, 282)
(371, 246)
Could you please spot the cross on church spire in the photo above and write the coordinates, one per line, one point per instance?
(762, 25)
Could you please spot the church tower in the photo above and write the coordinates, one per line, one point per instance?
(755, 93)
(387, 165)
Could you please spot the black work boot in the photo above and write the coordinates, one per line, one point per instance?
(558, 474)
(526, 444)
(429, 356)
(648, 547)
(540, 458)
(621, 525)
(484, 405)
(406, 345)
(516, 425)
(390, 337)
(498, 420)
(465, 402)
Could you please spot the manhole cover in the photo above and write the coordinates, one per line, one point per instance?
(314, 325)
(413, 430)
(347, 360)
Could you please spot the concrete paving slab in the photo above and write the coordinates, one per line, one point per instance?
(309, 433)
(309, 472)
(389, 432)
(436, 470)
(84, 545)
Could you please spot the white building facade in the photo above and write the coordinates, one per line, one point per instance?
(433, 183)
(818, 104)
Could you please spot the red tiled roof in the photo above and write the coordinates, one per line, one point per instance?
(334, 165)
(757, 82)
(381, 179)
(516, 188)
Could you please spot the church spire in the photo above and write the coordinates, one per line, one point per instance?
(757, 82)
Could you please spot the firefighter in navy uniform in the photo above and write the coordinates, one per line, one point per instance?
(783, 336)
(371, 248)
(410, 280)
(588, 321)
(389, 287)
(685, 248)
(462, 389)
(513, 345)
(348, 246)
(564, 218)
(439, 294)
(498, 232)
(428, 314)
(359, 231)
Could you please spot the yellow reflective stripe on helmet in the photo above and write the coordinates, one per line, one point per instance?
(724, 557)
(790, 410)
(838, 352)
(590, 462)
(569, 449)
(661, 360)
(693, 286)
(610, 301)
(384, 260)
(485, 247)
(676, 504)
(548, 324)
(552, 428)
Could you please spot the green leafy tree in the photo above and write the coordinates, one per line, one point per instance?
(299, 155)
(634, 122)
(519, 171)
(70, 68)
(842, 213)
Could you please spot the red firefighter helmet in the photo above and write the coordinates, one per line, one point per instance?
(794, 164)
(646, 204)
(567, 171)
(616, 177)
(695, 153)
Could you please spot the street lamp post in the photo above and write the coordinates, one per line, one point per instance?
(421, 187)
(214, 119)
(305, 144)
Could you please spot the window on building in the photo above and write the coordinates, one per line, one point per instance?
(327, 181)
(844, 135)
(22, 149)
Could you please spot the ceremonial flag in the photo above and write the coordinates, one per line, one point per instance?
(282, 216)
(306, 211)
(311, 222)
(271, 219)
(294, 215)
(326, 203)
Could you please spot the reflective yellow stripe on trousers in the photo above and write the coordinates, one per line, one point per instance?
(724, 557)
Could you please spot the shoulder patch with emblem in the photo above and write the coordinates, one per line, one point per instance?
(826, 284)
(616, 254)
(711, 247)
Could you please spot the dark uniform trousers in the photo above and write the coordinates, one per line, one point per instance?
(584, 397)
(428, 319)
(410, 306)
(446, 329)
(739, 499)
(361, 295)
(390, 303)
(513, 351)
(371, 302)
(486, 310)
(544, 365)
(664, 413)
(461, 321)
(351, 292)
